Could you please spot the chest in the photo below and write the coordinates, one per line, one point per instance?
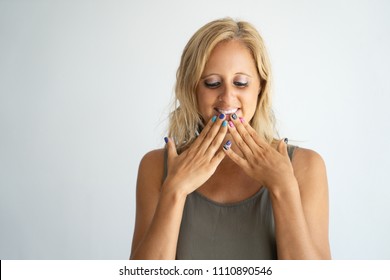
(229, 184)
(242, 230)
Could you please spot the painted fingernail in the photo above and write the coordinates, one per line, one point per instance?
(166, 140)
(213, 119)
(224, 123)
(231, 124)
(241, 120)
(234, 116)
(227, 145)
(222, 116)
(285, 140)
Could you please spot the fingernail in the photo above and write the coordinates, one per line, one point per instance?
(222, 116)
(241, 120)
(224, 123)
(227, 145)
(285, 140)
(231, 124)
(166, 140)
(214, 119)
(234, 116)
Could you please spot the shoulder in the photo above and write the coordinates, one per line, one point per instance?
(149, 181)
(308, 165)
(306, 158)
(153, 158)
(151, 168)
(310, 172)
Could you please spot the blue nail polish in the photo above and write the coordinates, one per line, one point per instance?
(285, 140)
(166, 140)
(224, 123)
(214, 119)
(227, 145)
(222, 116)
(234, 116)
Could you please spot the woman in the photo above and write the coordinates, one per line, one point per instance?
(224, 187)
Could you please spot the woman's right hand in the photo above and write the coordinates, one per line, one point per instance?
(193, 167)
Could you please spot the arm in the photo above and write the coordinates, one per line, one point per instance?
(298, 191)
(159, 213)
(301, 210)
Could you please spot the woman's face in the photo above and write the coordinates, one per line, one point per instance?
(229, 83)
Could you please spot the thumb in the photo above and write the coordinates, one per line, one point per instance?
(171, 147)
(282, 146)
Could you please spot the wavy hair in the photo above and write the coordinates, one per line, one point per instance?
(185, 120)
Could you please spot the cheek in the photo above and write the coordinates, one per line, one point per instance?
(202, 104)
(251, 104)
(205, 100)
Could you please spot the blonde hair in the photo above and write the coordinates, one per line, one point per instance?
(185, 120)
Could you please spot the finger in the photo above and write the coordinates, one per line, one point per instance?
(282, 147)
(216, 160)
(215, 145)
(239, 141)
(233, 156)
(171, 147)
(246, 132)
(205, 130)
(219, 127)
(260, 141)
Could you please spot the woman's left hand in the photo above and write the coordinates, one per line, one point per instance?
(271, 167)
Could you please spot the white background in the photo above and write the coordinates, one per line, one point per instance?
(84, 94)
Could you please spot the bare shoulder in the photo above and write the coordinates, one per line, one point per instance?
(154, 158)
(149, 180)
(307, 161)
(151, 167)
(310, 172)
(308, 166)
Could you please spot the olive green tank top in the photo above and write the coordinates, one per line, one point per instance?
(226, 231)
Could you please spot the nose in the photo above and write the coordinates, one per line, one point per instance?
(227, 94)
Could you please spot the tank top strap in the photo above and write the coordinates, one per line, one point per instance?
(165, 164)
(290, 150)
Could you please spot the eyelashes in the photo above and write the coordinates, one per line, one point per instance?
(240, 84)
(217, 84)
(212, 84)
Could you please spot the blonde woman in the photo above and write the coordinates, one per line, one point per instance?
(225, 187)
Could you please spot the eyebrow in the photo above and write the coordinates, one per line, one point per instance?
(238, 73)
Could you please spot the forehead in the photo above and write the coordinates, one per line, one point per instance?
(232, 55)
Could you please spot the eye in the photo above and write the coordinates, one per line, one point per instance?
(212, 84)
(240, 84)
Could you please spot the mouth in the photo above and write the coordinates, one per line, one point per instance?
(227, 112)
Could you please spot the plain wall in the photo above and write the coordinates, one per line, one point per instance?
(84, 94)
